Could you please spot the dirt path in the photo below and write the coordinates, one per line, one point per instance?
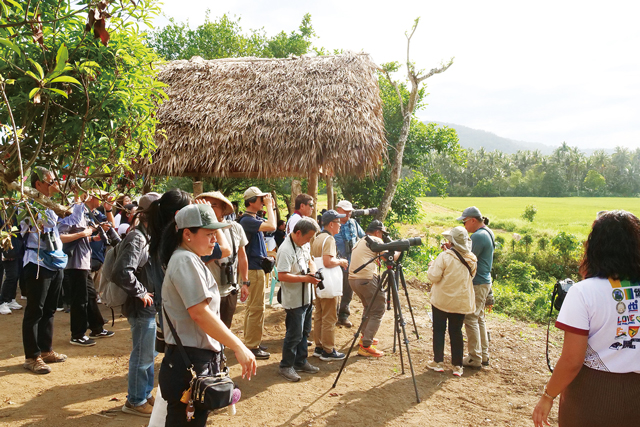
(90, 388)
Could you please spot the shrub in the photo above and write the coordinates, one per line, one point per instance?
(530, 213)
(528, 306)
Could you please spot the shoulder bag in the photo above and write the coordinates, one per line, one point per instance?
(332, 277)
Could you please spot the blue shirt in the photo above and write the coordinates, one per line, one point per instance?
(32, 235)
(482, 247)
(256, 248)
(349, 232)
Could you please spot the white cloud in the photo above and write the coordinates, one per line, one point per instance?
(545, 71)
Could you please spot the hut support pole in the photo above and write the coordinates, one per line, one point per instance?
(312, 190)
(330, 201)
(296, 189)
(197, 188)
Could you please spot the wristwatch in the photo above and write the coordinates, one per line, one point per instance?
(246, 283)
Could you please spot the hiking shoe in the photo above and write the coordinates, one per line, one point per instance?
(317, 352)
(85, 341)
(289, 374)
(36, 365)
(143, 410)
(485, 362)
(373, 342)
(307, 368)
(260, 354)
(13, 305)
(457, 371)
(473, 364)
(370, 351)
(103, 334)
(436, 366)
(4, 308)
(151, 400)
(53, 357)
(344, 322)
(334, 355)
(263, 347)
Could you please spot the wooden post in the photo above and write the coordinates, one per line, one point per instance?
(197, 188)
(312, 190)
(296, 188)
(330, 201)
(275, 205)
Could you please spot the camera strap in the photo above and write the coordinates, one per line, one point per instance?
(234, 252)
(462, 260)
(553, 299)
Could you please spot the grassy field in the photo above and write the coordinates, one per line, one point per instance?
(571, 214)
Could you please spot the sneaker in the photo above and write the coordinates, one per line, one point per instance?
(307, 368)
(4, 308)
(344, 322)
(457, 371)
(334, 355)
(53, 357)
(436, 366)
(85, 341)
(103, 334)
(485, 362)
(151, 400)
(143, 410)
(373, 342)
(263, 347)
(260, 354)
(317, 352)
(36, 366)
(370, 351)
(13, 305)
(289, 374)
(59, 309)
(474, 364)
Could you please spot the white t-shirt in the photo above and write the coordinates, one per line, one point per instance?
(241, 241)
(605, 311)
(293, 220)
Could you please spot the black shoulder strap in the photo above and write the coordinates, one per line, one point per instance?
(493, 242)
(183, 353)
(461, 258)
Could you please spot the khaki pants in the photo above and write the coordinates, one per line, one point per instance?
(324, 323)
(254, 311)
(477, 340)
(365, 289)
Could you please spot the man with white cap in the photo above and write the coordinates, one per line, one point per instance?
(346, 239)
(254, 227)
(229, 270)
(483, 246)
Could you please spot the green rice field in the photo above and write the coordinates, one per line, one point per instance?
(570, 214)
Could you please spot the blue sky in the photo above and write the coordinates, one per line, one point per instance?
(545, 71)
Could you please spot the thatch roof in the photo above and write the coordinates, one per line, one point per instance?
(270, 117)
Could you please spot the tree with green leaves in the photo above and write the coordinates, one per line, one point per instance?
(78, 92)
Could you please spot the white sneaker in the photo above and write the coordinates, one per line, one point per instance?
(13, 305)
(23, 297)
(4, 308)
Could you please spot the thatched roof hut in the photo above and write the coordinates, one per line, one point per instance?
(259, 117)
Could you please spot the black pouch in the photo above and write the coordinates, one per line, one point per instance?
(213, 392)
(267, 264)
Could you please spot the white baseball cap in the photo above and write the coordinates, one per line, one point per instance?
(345, 205)
(253, 192)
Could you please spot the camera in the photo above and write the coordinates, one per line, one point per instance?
(318, 275)
(109, 237)
(364, 212)
(50, 241)
(230, 277)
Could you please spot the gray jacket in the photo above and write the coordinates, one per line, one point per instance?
(130, 272)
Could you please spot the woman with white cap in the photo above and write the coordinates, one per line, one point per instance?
(452, 296)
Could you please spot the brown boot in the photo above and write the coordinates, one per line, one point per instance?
(143, 410)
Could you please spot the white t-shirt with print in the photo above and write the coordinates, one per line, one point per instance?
(607, 312)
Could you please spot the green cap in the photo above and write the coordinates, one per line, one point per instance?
(198, 215)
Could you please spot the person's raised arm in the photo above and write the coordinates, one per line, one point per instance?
(270, 224)
(213, 326)
(225, 248)
(243, 272)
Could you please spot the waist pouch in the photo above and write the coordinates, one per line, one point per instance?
(267, 264)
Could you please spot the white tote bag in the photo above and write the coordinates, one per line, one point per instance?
(332, 278)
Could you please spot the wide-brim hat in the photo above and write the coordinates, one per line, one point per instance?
(459, 238)
(227, 209)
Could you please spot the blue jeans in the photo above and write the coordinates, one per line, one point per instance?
(143, 337)
(294, 348)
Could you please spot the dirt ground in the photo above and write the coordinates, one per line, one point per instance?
(90, 387)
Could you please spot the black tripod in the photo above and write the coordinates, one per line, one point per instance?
(389, 283)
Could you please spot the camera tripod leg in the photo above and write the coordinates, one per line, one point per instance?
(396, 333)
(365, 316)
(406, 293)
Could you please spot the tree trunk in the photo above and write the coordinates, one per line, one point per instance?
(312, 190)
(396, 169)
(197, 188)
(275, 204)
(296, 188)
(330, 201)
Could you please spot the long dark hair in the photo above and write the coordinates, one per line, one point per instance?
(171, 239)
(613, 247)
(160, 213)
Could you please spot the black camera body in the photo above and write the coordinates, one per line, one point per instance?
(109, 237)
(49, 240)
(230, 276)
(560, 291)
(318, 275)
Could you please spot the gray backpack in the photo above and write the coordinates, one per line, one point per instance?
(112, 294)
